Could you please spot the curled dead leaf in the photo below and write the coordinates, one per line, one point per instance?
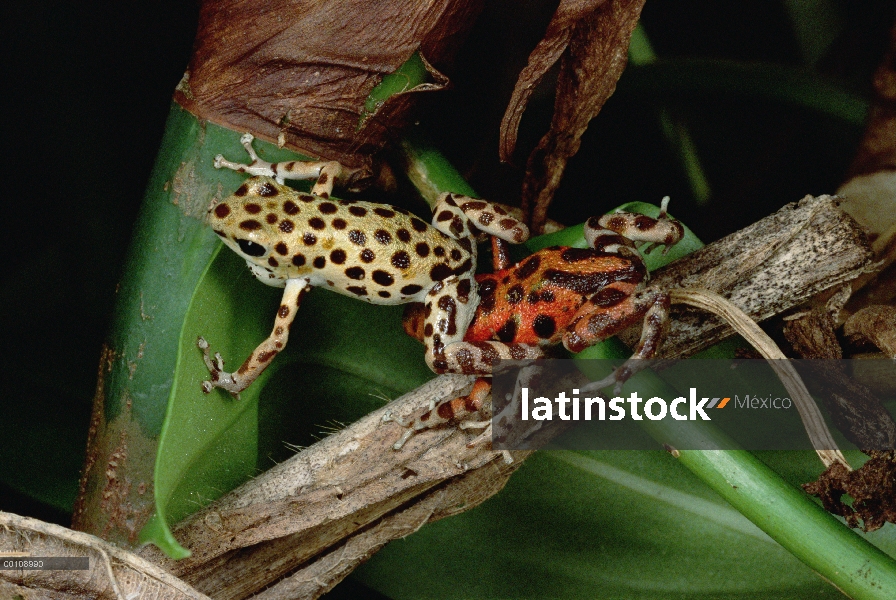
(546, 54)
(112, 573)
(871, 185)
(592, 37)
(871, 487)
(816, 428)
(877, 151)
(298, 73)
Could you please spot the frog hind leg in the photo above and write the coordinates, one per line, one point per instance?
(608, 313)
(469, 358)
(262, 356)
(446, 412)
(325, 172)
(449, 309)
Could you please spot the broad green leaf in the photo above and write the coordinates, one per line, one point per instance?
(675, 130)
(612, 524)
(330, 373)
(816, 25)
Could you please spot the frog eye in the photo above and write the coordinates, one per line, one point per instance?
(251, 248)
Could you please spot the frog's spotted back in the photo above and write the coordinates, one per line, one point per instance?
(533, 302)
(370, 251)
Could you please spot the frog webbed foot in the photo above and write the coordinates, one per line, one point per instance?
(219, 377)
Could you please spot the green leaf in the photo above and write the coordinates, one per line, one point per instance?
(409, 75)
(783, 83)
(329, 374)
(816, 25)
(676, 131)
(168, 260)
(208, 444)
(612, 524)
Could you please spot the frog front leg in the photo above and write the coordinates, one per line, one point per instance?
(610, 232)
(262, 356)
(465, 217)
(654, 306)
(450, 306)
(612, 310)
(621, 304)
(325, 172)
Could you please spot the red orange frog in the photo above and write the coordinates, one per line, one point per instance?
(560, 294)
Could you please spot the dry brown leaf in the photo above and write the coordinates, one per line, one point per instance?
(298, 73)
(547, 52)
(821, 437)
(877, 151)
(113, 573)
(593, 38)
(872, 488)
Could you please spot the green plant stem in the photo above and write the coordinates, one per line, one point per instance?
(787, 514)
(790, 517)
(429, 171)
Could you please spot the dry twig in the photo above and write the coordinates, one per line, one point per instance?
(813, 420)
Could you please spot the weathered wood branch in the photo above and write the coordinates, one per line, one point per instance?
(337, 497)
(771, 266)
(306, 523)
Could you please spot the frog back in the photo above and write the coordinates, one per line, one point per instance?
(532, 302)
(374, 252)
